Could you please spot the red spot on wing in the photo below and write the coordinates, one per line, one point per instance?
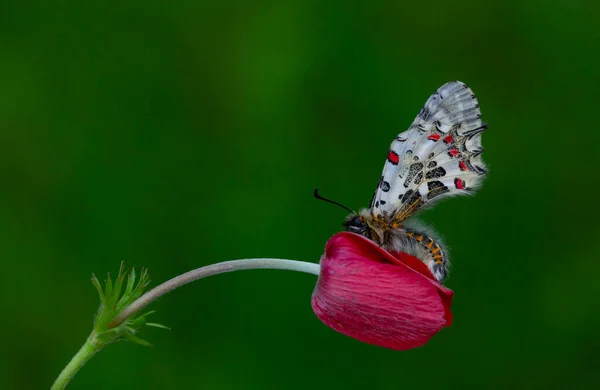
(449, 139)
(462, 165)
(453, 152)
(459, 183)
(434, 137)
(393, 157)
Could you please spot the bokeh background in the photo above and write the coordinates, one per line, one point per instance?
(173, 135)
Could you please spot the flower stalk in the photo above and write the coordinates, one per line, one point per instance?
(81, 357)
(121, 301)
(209, 270)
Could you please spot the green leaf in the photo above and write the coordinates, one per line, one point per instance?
(98, 286)
(118, 283)
(109, 285)
(116, 296)
(137, 340)
(127, 297)
(130, 282)
(155, 325)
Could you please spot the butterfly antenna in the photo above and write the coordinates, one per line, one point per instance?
(318, 196)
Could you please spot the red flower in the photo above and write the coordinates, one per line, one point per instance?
(382, 298)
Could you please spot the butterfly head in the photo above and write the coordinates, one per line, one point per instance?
(365, 224)
(355, 224)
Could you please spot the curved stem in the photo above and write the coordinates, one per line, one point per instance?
(93, 344)
(209, 270)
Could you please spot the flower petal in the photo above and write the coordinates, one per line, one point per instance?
(445, 293)
(373, 296)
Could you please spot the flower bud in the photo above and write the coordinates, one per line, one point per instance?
(387, 299)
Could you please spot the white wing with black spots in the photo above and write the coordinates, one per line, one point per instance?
(438, 156)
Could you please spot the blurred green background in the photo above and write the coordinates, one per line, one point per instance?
(173, 135)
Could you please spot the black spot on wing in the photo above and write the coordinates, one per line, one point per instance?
(425, 113)
(436, 173)
(413, 171)
(410, 196)
(385, 186)
(436, 188)
(475, 168)
(419, 178)
(476, 131)
(411, 202)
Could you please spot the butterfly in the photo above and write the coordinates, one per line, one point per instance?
(437, 157)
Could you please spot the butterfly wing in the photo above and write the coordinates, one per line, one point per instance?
(438, 156)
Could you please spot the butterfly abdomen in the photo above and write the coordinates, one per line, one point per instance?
(430, 251)
(436, 258)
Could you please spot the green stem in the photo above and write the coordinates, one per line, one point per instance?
(93, 344)
(87, 350)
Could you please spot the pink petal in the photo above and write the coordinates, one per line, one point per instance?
(367, 293)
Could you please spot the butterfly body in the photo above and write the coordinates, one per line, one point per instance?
(415, 240)
(437, 157)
